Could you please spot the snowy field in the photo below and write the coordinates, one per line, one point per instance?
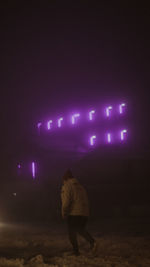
(120, 243)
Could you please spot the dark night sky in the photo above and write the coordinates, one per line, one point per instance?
(53, 57)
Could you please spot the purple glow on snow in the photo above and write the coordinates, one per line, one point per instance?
(92, 140)
(108, 109)
(39, 125)
(59, 122)
(49, 124)
(122, 134)
(91, 114)
(121, 107)
(33, 170)
(73, 118)
(109, 138)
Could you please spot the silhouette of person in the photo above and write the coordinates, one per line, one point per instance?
(75, 209)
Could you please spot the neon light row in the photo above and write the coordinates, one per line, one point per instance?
(92, 142)
(122, 134)
(76, 116)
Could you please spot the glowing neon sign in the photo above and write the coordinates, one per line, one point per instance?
(122, 134)
(74, 118)
(39, 125)
(91, 115)
(109, 138)
(121, 107)
(19, 166)
(108, 111)
(60, 122)
(49, 124)
(96, 121)
(92, 140)
(33, 170)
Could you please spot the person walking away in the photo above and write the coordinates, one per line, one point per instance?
(75, 209)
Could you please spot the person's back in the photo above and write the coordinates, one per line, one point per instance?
(75, 208)
(78, 198)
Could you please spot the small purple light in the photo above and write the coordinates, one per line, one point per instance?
(59, 122)
(33, 170)
(121, 107)
(49, 124)
(91, 114)
(122, 134)
(39, 124)
(92, 140)
(109, 138)
(108, 109)
(73, 118)
(19, 166)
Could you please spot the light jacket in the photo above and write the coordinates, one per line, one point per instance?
(74, 199)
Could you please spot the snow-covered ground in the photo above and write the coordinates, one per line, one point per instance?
(120, 244)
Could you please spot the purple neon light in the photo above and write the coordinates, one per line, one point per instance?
(49, 124)
(33, 170)
(91, 114)
(121, 107)
(108, 109)
(74, 117)
(109, 138)
(122, 134)
(59, 122)
(39, 124)
(19, 166)
(92, 140)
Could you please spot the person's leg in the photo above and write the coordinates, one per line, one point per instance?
(72, 231)
(82, 222)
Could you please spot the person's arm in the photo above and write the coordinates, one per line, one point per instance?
(66, 200)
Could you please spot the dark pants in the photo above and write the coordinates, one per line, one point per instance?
(77, 225)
